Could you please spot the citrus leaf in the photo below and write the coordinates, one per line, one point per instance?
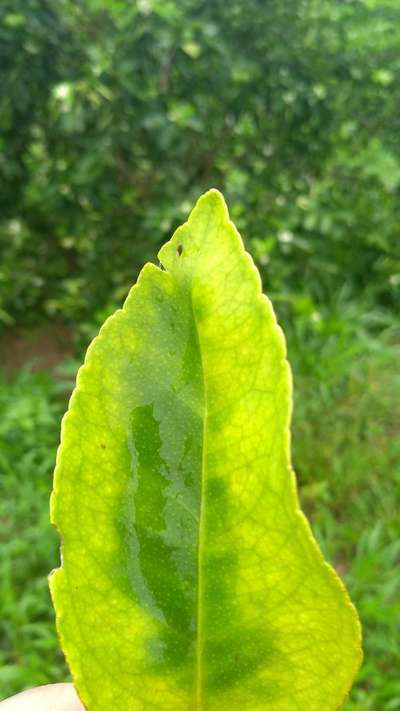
(190, 579)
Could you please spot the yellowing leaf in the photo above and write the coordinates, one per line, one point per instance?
(190, 579)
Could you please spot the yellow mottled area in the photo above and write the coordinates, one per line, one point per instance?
(190, 578)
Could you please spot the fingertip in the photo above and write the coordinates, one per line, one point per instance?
(52, 697)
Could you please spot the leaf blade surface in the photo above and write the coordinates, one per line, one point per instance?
(190, 578)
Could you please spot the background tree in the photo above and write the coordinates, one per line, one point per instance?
(113, 113)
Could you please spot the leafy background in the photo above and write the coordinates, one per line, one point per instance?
(114, 117)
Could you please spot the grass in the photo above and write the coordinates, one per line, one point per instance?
(30, 411)
(346, 453)
(346, 450)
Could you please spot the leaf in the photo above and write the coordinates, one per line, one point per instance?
(190, 579)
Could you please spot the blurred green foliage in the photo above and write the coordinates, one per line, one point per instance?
(115, 116)
(346, 450)
(30, 412)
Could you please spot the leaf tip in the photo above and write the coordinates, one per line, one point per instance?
(212, 199)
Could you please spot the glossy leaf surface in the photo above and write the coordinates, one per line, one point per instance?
(190, 579)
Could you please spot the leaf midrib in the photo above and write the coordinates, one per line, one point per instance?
(200, 548)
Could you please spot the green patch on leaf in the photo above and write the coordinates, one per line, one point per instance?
(190, 578)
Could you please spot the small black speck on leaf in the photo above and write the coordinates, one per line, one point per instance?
(179, 250)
